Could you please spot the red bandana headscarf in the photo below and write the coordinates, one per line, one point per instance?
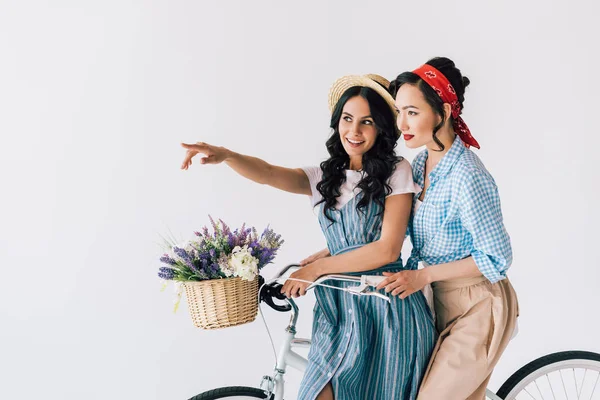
(444, 89)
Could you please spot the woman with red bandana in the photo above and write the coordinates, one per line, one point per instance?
(458, 235)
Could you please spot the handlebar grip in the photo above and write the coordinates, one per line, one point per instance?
(283, 308)
(274, 290)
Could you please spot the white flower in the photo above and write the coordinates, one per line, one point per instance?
(243, 264)
(223, 262)
(228, 270)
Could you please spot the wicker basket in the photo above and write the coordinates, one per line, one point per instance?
(219, 303)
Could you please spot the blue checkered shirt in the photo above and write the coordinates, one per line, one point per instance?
(460, 215)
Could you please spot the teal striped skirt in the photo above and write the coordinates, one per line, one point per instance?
(366, 347)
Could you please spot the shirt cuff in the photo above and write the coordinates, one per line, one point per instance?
(487, 267)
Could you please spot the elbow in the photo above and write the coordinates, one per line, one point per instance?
(509, 261)
(390, 253)
(493, 267)
(393, 257)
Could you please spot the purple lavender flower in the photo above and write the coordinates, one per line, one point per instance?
(181, 253)
(265, 257)
(185, 257)
(232, 239)
(166, 273)
(167, 259)
(253, 245)
(207, 258)
(226, 229)
(214, 225)
(215, 270)
(265, 232)
(204, 255)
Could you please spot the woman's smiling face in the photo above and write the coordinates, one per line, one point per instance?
(357, 128)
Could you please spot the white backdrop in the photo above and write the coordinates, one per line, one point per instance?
(95, 97)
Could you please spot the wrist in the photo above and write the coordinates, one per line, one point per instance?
(228, 154)
(319, 267)
(429, 275)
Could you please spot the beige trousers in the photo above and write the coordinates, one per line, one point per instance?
(476, 320)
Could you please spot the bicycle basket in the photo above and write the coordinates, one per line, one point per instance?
(220, 303)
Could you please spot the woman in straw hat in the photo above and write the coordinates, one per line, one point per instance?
(363, 347)
(457, 233)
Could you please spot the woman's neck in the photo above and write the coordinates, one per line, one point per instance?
(355, 163)
(445, 135)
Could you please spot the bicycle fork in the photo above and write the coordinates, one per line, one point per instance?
(275, 384)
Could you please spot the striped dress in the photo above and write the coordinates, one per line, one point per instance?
(367, 347)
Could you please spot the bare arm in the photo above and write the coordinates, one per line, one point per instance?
(292, 180)
(405, 283)
(380, 252)
(465, 268)
(370, 256)
(314, 257)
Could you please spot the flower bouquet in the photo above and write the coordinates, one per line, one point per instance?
(219, 272)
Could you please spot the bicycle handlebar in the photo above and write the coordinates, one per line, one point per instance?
(365, 282)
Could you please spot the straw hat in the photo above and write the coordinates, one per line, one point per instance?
(372, 81)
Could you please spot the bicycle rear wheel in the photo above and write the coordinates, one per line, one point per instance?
(233, 393)
(564, 375)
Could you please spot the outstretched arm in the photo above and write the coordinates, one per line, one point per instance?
(292, 180)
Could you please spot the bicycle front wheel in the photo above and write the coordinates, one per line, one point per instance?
(233, 393)
(565, 375)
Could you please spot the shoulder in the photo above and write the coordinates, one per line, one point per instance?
(401, 180)
(472, 179)
(314, 173)
(470, 169)
(402, 167)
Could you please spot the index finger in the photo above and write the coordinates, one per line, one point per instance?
(195, 146)
(306, 261)
(386, 282)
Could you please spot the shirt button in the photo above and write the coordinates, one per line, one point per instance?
(342, 238)
(350, 311)
(329, 374)
(340, 354)
(347, 335)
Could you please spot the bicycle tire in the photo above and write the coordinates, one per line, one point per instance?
(532, 370)
(232, 392)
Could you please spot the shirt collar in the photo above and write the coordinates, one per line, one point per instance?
(447, 162)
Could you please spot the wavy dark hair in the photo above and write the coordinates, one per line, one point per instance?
(447, 67)
(378, 163)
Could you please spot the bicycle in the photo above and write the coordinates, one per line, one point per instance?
(533, 380)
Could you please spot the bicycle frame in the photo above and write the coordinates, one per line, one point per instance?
(288, 357)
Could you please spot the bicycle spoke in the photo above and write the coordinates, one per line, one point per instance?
(538, 389)
(595, 386)
(563, 383)
(561, 369)
(527, 391)
(551, 388)
(582, 382)
(578, 387)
